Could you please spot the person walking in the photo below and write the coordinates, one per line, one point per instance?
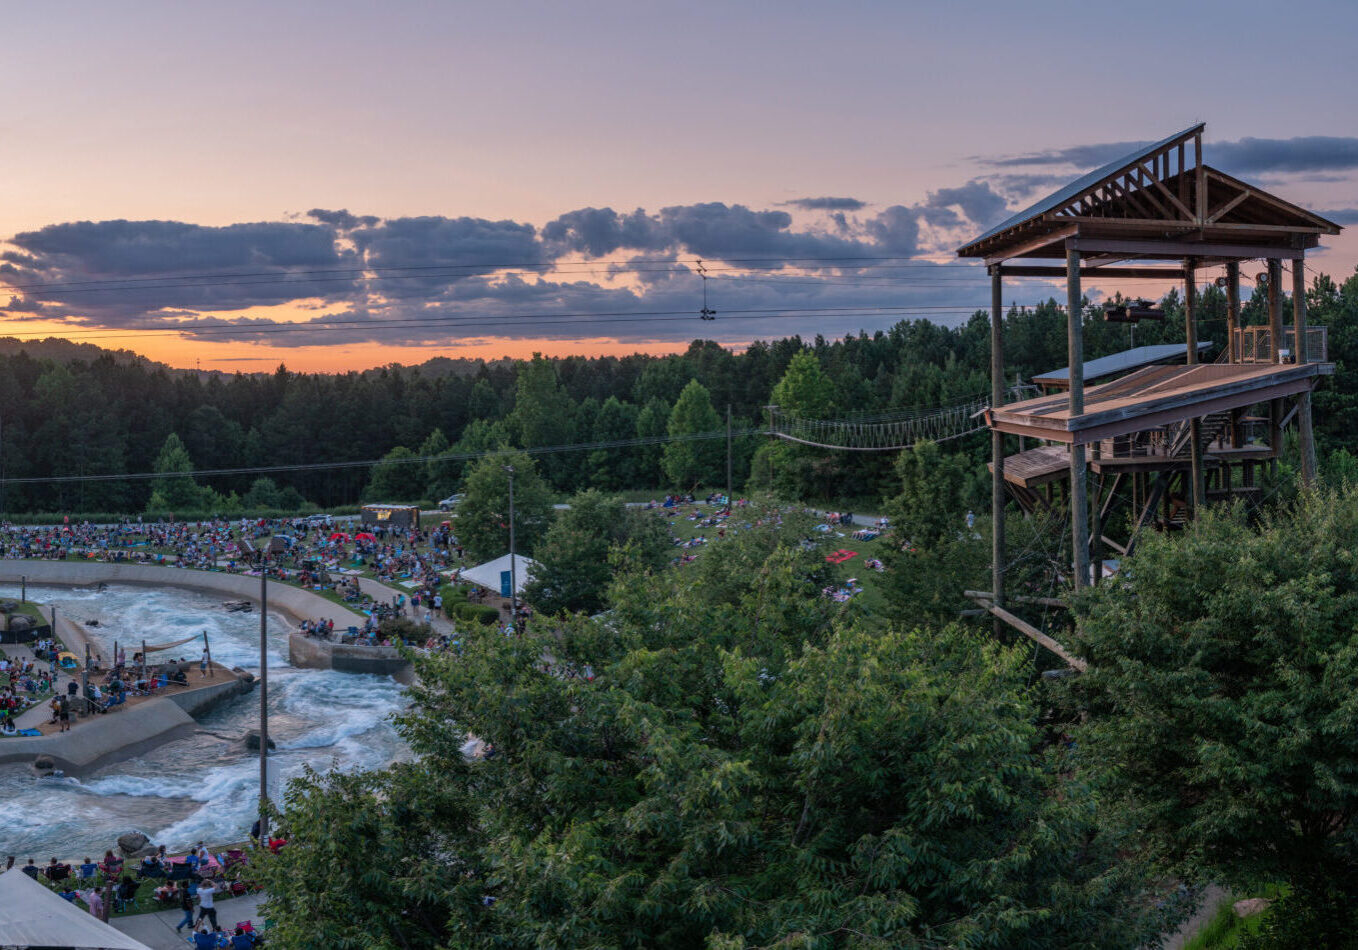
(206, 890)
(186, 905)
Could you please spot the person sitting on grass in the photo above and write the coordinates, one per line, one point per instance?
(242, 940)
(67, 894)
(205, 938)
(127, 892)
(88, 869)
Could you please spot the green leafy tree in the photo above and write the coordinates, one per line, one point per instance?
(751, 765)
(397, 478)
(483, 516)
(543, 415)
(1222, 699)
(263, 494)
(574, 568)
(440, 475)
(652, 422)
(182, 493)
(691, 463)
(612, 469)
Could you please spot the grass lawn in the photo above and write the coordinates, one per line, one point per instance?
(838, 538)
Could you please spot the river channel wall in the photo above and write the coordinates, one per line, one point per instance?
(101, 740)
(316, 654)
(292, 601)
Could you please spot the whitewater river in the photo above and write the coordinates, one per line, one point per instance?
(202, 787)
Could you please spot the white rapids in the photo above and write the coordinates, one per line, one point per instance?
(204, 787)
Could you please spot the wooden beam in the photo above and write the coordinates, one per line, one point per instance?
(1034, 634)
(1144, 183)
(1228, 207)
(1174, 250)
(1033, 244)
(1134, 273)
(1018, 599)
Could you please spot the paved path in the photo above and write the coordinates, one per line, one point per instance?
(157, 930)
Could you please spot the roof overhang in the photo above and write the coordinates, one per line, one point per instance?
(1157, 395)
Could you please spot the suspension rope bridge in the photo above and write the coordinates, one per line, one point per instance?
(886, 432)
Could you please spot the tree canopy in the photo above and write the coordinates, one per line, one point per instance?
(483, 515)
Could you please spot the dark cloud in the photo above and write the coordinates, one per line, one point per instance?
(1023, 186)
(1302, 153)
(728, 232)
(115, 272)
(980, 204)
(827, 204)
(441, 278)
(709, 229)
(342, 219)
(1081, 156)
(896, 230)
(1343, 216)
(601, 231)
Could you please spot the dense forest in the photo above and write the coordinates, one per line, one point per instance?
(92, 417)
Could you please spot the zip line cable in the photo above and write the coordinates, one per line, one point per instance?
(425, 459)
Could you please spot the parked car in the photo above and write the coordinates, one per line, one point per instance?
(451, 502)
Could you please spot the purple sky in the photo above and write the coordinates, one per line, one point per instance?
(196, 139)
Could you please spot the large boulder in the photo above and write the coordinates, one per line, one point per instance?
(252, 741)
(44, 764)
(132, 843)
(1251, 906)
(8, 606)
(21, 622)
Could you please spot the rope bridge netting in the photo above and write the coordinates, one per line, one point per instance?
(883, 432)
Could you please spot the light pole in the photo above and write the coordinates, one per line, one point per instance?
(513, 566)
(263, 697)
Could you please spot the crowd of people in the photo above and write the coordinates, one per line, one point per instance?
(188, 882)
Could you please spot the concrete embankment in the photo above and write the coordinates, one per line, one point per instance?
(106, 739)
(139, 727)
(295, 603)
(311, 653)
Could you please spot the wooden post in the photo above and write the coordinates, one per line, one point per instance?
(23, 589)
(1199, 495)
(1304, 430)
(1275, 334)
(1075, 350)
(1275, 307)
(1232, 311)
(85, 680)
(263, 702)
(997, 441)
(730, 498)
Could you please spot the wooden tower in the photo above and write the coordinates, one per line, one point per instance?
(1158, 212)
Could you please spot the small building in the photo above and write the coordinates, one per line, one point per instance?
(390, 516)
(496, 575)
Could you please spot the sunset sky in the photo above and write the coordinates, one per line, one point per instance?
(407, 180)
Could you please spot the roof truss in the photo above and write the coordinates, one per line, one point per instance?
(1163, 192)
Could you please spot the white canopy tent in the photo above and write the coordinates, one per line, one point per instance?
(488, 575)
(33, 916)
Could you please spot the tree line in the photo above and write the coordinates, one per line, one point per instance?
(83, 417)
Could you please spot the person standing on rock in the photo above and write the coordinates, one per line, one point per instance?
(202, 667)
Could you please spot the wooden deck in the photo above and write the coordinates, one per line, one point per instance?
(1034, 467)
(1155, 396)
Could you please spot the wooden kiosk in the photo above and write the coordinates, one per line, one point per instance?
(1160, 212)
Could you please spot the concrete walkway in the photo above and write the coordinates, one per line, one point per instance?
(157, 930)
